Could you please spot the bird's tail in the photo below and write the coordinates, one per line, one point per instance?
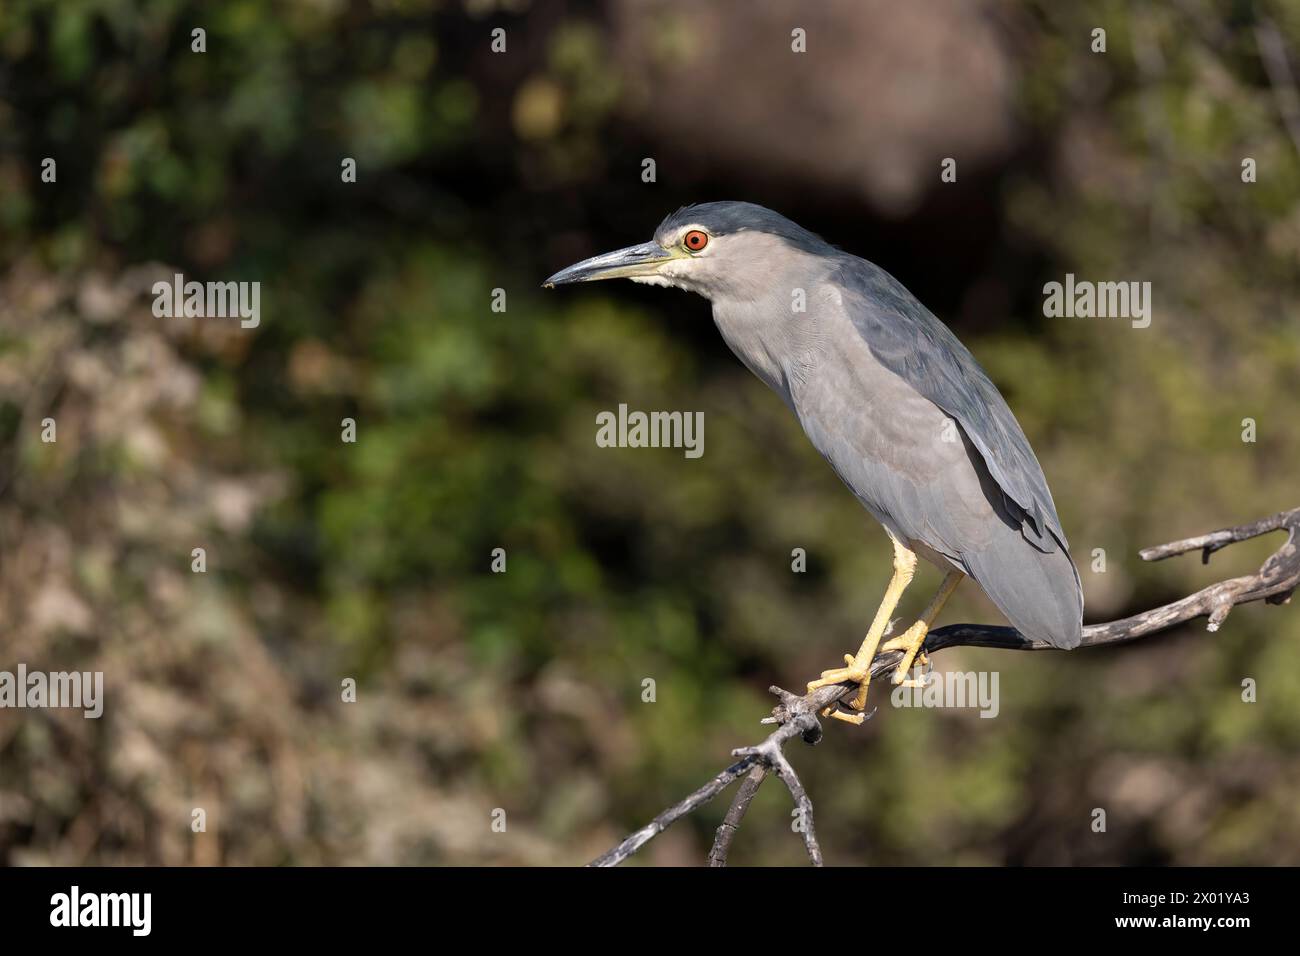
(1039, 592)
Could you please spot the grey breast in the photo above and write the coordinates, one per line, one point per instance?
(908, 462)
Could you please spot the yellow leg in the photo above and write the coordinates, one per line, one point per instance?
(911, 640)
(859, 666)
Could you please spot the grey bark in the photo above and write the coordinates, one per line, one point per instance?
(796, 716)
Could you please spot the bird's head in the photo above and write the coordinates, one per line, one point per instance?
(713, 248)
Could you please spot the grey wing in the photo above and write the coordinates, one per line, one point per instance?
(937, 497)
(911, 342)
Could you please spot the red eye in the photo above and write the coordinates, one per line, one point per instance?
(696, 240)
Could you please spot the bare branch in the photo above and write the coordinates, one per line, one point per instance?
(800, 717)
(1209, 543)
(659, 824)
(731, 822)
(799, 720)
(1274, 583)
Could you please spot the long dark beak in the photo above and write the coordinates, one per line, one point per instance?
(642, 260)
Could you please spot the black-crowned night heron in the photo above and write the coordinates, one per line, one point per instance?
(899, 407)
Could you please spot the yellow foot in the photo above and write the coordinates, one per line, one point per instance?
(909, 642)
(854, 672)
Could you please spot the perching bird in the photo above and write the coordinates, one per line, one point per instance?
(896, 404)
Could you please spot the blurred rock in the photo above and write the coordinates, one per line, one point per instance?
(884, 92)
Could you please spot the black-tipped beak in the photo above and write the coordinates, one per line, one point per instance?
(642, 260)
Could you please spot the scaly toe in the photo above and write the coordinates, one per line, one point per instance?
(904, 640)
(836, 675)
(840, 675)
